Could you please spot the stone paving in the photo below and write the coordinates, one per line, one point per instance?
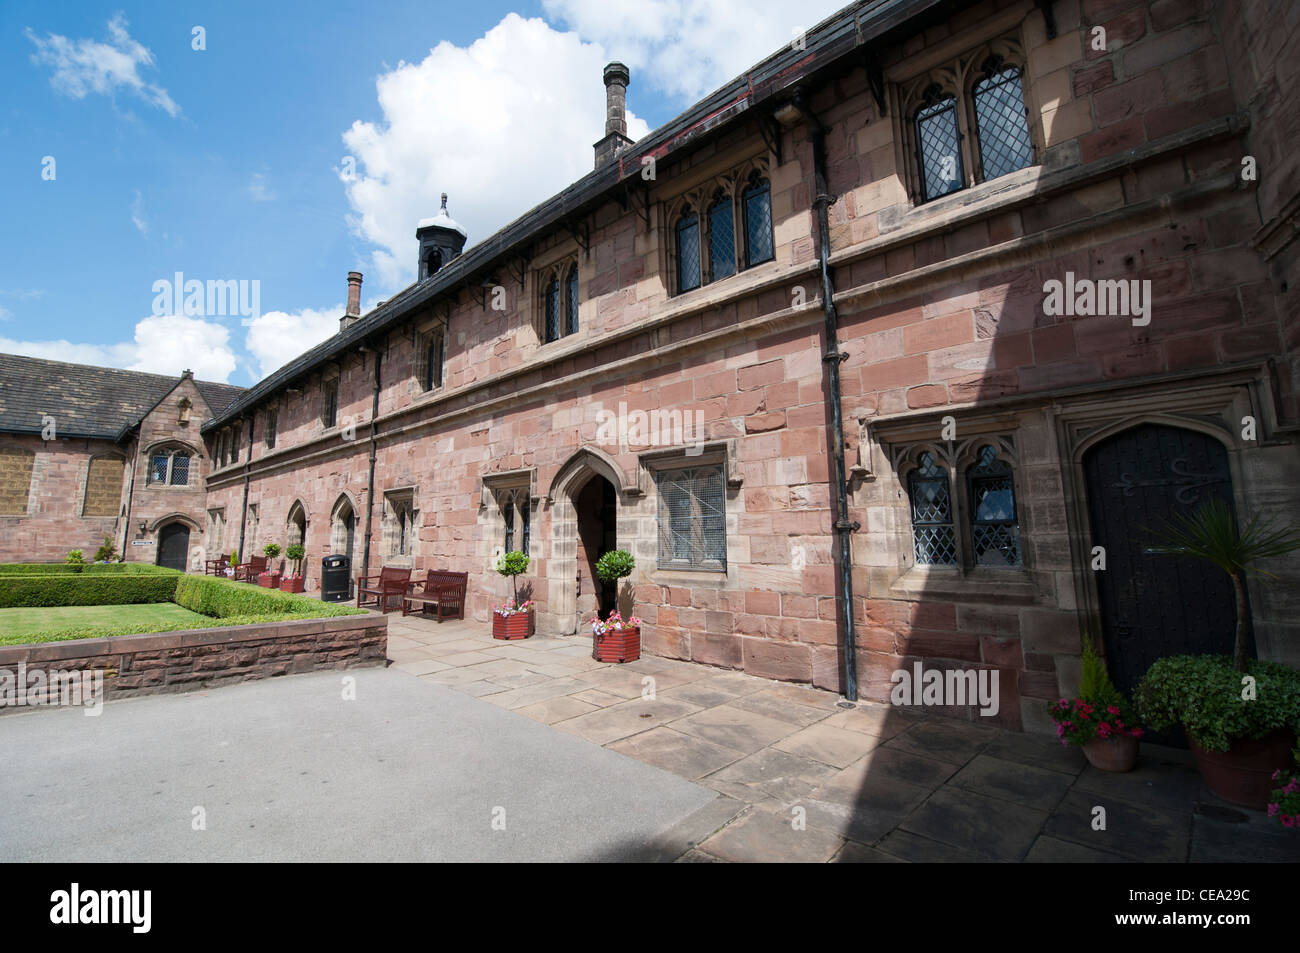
(800, 778)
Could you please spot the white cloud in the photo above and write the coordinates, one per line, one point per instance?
(89, 66)
(161, 345)
(500, 125)
(5, 314)
(688, 48)
(137, 214)
(259, 190)
(277, 337)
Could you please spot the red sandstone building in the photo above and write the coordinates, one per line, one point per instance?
(911, 443)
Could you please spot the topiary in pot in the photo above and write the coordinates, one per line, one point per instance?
(1240, 716)
(270, 579)
(615, 639)
(295, 583)
(514, 619)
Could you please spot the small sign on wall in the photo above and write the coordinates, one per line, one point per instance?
(142, 542)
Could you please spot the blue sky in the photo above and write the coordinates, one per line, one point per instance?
(304, 141)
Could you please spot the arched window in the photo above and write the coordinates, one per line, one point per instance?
(571, 302)
(722, 238)
(757, 202)
(937, 146)
(994, 529)
(931, 504)
(1001, 120)
(516, 515)
(169, 466)
(688, 251)
(296, 525)
(552, 305)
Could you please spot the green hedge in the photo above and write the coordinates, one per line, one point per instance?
(96, 589)
(227, 599)
(90, 569)
(323, 611)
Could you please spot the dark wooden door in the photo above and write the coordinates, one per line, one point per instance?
(1154, 605)
(173, 546)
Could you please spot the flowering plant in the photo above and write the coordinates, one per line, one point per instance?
(1284, 802)
(615, 623)
(1079, 720)
(510, 608)
(1100, 710)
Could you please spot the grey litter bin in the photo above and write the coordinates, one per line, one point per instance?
(336, 579)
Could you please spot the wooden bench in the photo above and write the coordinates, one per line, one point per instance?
(249, 571)
(216, 567)
(387, 594)
(442, 589)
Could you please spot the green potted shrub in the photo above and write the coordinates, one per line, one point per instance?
(615, 639)
(513, 619)
(75, 560)
(1099, 720)
(1284, 802)
(294, 583)
(1240, 715)
(270, 579)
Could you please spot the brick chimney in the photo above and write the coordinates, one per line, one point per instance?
(617, 78)
(353, 313)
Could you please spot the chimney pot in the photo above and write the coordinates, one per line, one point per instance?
(353, 313)
(617, 77)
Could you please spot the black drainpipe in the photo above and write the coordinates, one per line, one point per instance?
(831, 359)
(130, 496)
(370, 480)
(248, 465)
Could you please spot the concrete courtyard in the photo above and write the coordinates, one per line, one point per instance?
(470, 749)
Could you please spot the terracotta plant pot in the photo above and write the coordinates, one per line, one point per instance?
(292, 584)
(1243, 774)
(517, 625)
(617, 646)
(269, 580)
(1112, 754)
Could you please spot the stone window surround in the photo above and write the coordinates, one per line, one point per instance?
(171, 448)
(555, 268)
(517, 488)
(330, 379)
(422, 334)
(395, 500)
(699, 196)
(270, 424)
(722, 453)
(28, 502)
(85, 488)
(957, 76)
(216, 528)
(898, 443)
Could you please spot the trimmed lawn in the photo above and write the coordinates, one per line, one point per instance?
(16, 625)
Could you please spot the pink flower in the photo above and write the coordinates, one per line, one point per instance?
(1111, 709)
(1288, 820)
(1272, 810)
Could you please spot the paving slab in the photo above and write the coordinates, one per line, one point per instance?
(761, 837)
(682, 754)
(1147, 833)
(618, 721)
(286, 770)
(997, 829)
(944, 739)
(837, 747)
(1022, 783)
(735, 728)
(778, 774)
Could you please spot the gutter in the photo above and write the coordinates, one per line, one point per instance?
(831, 359)
(370, 478)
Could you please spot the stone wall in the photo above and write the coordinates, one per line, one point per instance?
(1138, 149)
(200, 658)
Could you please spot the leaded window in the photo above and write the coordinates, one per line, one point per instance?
(688, 252)
(516, 514)
(722, 238)
(995, 532)
(1002, 121)
(937, 145)
(692, 519)
(552, 305)
(571, 302)
(169, 468)
(757, 200)
(272, 421)
(329, 412)
(931, 501)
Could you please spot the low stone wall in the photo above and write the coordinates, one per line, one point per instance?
(199, 658)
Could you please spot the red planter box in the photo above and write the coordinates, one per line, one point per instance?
(292, 584)
(617, 646)
(269, 580)
(518, 625)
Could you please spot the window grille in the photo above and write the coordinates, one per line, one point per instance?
(1002, 121)
(757, 200)
(692, 519)
(553, 310)
(180, 470)
(688, 252)
(932, 533)
(722, 239)
(938, 148)
(995, 531)
(571, 326)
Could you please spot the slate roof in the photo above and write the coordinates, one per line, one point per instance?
(851, 36)
(87, 401)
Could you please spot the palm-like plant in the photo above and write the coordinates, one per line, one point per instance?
(1210, 533)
